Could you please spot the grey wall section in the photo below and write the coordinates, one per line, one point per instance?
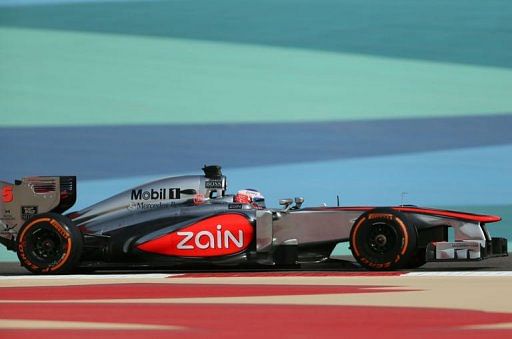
(121, 151)
(460, 31)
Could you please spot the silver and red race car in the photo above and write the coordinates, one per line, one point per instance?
(191, 220)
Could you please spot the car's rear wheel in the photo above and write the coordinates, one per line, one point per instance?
(382, 239)
(49, 244)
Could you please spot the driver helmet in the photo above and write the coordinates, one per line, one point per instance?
(250, 196)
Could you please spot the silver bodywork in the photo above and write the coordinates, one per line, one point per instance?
(469, 238)
(305, 226)
(30, 196)
(309, 226)
(122, 206)
(175, 197)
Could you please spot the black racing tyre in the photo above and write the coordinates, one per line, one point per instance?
(49, 243)
(382, 239)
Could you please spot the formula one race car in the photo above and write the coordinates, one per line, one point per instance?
(191, 220)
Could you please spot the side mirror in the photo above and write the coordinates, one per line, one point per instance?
(286, 203)
(298, 202)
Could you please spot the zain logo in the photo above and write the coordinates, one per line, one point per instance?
(206, 239)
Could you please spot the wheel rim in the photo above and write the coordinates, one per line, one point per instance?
(382, 238)
(44, 245)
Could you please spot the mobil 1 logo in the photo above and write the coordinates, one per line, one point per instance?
(28, 212)
(156, 194)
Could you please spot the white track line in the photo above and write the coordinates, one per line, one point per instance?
(459, 274)
(8, 324)
(166, 275)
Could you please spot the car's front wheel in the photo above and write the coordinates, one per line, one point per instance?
(382, 239)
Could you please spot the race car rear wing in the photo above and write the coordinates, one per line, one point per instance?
(30, 196)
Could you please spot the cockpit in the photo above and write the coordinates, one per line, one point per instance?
(216, 185)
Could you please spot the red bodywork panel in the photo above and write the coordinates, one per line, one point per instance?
(219, 235)
(431, 211)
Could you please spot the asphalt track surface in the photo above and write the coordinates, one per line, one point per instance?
(439, 300)
(345, 264)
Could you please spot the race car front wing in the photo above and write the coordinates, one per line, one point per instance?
(466, 250)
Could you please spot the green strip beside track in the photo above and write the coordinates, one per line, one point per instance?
(68, 78)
